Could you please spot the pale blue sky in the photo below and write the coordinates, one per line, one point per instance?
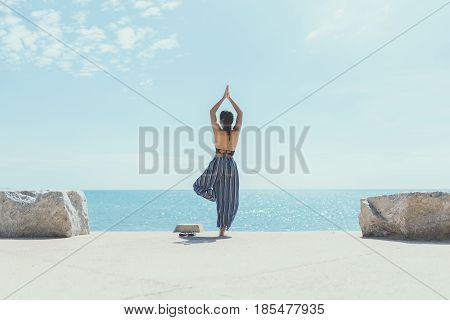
(383, 125)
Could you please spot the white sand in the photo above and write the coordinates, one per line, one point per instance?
(248, 265)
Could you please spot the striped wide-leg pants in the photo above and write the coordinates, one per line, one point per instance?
(220, 183)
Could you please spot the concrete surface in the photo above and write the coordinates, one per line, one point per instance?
(246, 265)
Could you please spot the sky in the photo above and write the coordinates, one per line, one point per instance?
(67, 124)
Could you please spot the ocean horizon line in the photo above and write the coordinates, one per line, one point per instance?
(272, 189)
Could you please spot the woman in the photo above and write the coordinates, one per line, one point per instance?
(220, 181)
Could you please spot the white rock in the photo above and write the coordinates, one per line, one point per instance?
(43, 214)
(418, 216)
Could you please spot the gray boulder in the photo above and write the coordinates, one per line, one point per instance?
(43, 214)
(415, 216)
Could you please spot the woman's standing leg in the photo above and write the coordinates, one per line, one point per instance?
(227, 192)
(234, 193)
(218, 189)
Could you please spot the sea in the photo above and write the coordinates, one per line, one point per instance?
(259, 210)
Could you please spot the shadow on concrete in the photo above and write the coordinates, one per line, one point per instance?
(197, 240)
(434, 242)
(35, 238)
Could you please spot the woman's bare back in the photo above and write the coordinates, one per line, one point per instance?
(225, 142)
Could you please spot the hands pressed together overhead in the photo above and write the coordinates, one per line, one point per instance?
(226, 95)
(214, 109)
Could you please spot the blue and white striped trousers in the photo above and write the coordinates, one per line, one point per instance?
(220, 183)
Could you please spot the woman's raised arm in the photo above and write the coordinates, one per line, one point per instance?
(212, 112)
(238, 124)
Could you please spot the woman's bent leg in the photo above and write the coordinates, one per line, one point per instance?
(204, 185)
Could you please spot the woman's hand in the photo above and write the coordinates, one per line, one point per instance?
(226, 95)
(212, 112)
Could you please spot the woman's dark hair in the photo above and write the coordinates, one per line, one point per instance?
(226, 118)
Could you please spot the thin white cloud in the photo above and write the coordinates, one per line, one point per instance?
(114, 5)
(124, 20)
(151, 12)
(65, 65)
(120, 44)
(18, 38)
(80, 17)
(47, 18)
(162, 44)
(106, 48)
(10, 20)
(87, 69)
(12, 3)
(170, 5)
(328, 27)
(127, 37)
(92, 34)
(146, 83)
(157, 10)
(166, 44)
(21, 43)
(142, 4)
(359, 18)
(312, 35)
(339, 13)
(50, 53)
(81, 2)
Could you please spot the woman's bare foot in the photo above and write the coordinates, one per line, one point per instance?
(222, 231)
